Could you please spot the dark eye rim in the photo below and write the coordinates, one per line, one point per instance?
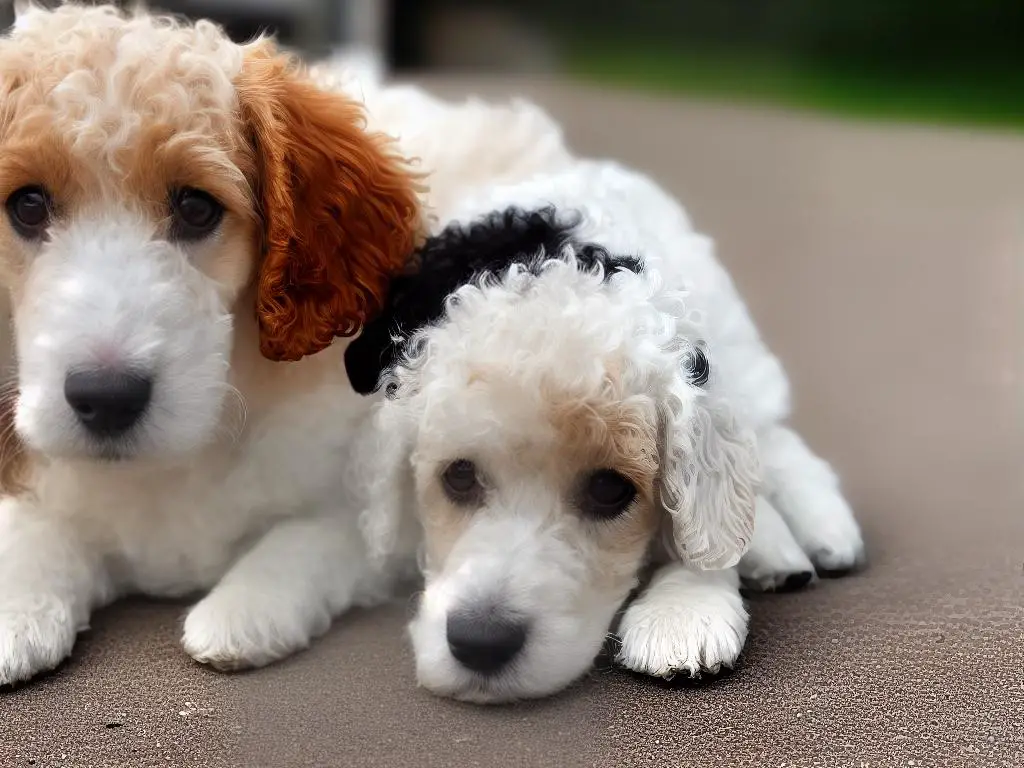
(606, 509)
(459, 493)
(29, 231)
(184, 230)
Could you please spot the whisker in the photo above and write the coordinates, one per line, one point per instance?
(10, 445)
(233, 425)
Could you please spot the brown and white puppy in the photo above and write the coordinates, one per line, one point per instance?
(187, 222)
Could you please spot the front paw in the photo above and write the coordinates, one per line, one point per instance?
(36, 634)
(234, 629)
(765, 580)
(664, 639)
(835, 546)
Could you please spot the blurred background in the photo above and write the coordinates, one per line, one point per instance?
(922, 60)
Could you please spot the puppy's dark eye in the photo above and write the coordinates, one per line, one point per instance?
(194, 214)
(29, 210)
(606, 494)
(461, 482)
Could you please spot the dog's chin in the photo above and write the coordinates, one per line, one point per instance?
(102, 452)
(137, 447)
(504, 688)
(478, 689)
(485, 693)
(114, 454)
(518, 682)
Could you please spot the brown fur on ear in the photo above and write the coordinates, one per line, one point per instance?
(340, 210)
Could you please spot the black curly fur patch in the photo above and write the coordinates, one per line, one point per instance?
(455, 257)
(698, 368)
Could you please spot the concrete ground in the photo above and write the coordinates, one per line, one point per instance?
(885, 266)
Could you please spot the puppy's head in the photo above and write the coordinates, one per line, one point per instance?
(552, 432)
(161, 186)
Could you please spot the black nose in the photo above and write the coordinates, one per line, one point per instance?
(484, 641)
(107, 402)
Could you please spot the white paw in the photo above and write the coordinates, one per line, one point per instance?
(234, 628)
(768, 579)
(664, 639)
(806, 491)
(834, 545)
(775, 562)
(36, 634)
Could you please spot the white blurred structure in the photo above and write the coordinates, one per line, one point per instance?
(317, 25)
(447, 34)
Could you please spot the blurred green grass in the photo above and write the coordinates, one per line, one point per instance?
(963, 98)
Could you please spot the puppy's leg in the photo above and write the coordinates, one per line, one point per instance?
(805, 491)
(775, 562)
(280, 595)
(686, 622)
(48, 586)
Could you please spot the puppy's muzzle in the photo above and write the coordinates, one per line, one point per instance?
(485, 640)
(108, 402)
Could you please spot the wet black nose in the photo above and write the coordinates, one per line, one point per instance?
(107, 402)
(484, 641)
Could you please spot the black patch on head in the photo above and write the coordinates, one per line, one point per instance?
(455, 257)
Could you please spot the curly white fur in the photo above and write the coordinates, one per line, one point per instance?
(540, 379)
(241, 479)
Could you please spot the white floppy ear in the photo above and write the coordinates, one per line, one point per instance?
(709, 477)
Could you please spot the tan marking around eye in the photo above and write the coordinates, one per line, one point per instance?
(618, 435)
(443, 522)
(558, 438)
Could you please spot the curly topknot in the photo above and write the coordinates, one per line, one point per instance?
(463, 254)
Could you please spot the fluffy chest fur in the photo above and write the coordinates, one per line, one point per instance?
(172, 529)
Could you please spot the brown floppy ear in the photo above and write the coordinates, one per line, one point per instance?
(340, 209)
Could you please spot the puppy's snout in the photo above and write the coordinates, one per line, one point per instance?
(485, 641)
(108, 402)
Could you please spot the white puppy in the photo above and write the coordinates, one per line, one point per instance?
(575, 391)
(186, 222)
